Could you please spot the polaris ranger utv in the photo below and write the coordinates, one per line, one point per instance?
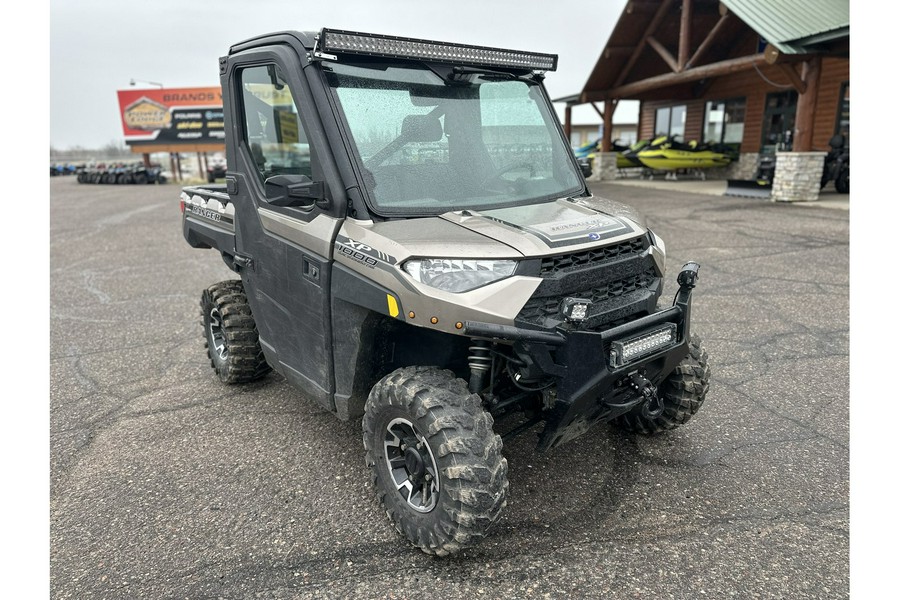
(417, 246)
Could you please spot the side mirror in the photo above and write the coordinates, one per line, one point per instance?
(296, 191)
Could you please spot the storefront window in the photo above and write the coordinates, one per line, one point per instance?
(670, 120)
(724, 123)
(663, 116)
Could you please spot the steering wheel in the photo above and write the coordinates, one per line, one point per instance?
(498, 175)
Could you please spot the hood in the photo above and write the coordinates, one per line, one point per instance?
(553, 227)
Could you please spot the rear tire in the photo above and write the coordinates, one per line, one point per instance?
(435, 460)
(682, 393)
(842, 183)
(232, 341)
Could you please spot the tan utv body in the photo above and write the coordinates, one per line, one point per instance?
(415, 245)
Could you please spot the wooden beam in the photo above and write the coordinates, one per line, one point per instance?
(611, 51)
(806, 105)
(651, 29)
(660, 81)
(707, 41)
(640, 7)
(599, 112)
(567, 126)
(684, 37)
(774, 56)
(794, 76)
(609, 108)
(665, 54)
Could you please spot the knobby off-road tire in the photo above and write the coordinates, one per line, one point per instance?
(842, 183)
(232, 341)
(682, 393)
(435, 461)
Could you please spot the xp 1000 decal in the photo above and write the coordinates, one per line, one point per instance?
(362, 253)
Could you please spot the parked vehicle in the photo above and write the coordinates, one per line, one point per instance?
(216, 169)
(121, 173)
(627, 157)
(62, 169)
(837, 165)
(436, 266)
(665, 153)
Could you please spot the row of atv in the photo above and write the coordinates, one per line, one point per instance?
(122, 174)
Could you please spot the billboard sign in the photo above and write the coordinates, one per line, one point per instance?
(172, 116)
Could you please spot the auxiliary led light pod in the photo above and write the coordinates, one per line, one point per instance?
(625, 351)
(574, 310)
(334, 41)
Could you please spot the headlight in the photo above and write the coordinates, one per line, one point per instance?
(456, 274)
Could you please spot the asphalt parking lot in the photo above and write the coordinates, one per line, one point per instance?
(167, 484)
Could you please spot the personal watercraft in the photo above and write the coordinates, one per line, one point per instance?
(666, 154)
(627, 155)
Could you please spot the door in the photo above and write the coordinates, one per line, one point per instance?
(778, 122)
(289, 248)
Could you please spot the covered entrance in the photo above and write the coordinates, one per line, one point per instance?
(760, 76)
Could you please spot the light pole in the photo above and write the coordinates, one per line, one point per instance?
(135, 81)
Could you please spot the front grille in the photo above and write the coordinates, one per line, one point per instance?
(537, 309)
(563, 262)
(621, 281)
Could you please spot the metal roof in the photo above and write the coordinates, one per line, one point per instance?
(794, 25)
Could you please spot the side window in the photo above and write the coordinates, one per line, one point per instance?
(272, 127)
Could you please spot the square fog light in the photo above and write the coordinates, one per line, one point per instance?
(574, 310)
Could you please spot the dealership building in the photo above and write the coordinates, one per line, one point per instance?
(763, 76)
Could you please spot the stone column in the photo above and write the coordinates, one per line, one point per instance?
(745, 167)
(798, 176)
(604, 167)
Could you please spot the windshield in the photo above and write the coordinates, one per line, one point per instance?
(429, 146)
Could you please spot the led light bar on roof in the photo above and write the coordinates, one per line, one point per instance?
(333, 41)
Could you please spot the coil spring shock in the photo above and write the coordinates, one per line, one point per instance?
(480, 363)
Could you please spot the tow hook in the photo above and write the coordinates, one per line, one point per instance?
(653, 406)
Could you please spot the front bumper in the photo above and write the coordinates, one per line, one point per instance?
(589, 389)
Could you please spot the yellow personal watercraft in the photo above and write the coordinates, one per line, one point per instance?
(666, 154)
(626, 157)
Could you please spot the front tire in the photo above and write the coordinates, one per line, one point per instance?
(682, 394)
(232, 341)
(436, 463)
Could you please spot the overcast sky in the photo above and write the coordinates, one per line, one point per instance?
(98, 46)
